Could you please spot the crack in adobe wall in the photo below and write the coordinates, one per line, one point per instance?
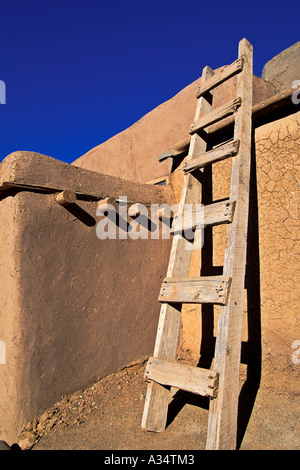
(277, 148)
(278, 152)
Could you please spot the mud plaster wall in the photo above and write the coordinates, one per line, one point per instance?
(64, 298)
(9, 308)
(82, 307)
(273, 266)
(278, 165)
(133, 154)
(271, 313)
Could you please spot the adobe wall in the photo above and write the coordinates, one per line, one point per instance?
(10, 311)
(74, 308)
(278, 175)
(283, 69)
(271, 325)
(271, 313)
(133, 154)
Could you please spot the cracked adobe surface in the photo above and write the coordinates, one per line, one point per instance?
(272, 324)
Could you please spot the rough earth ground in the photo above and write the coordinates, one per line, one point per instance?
(107, 416)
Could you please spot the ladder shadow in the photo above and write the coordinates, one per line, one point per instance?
(182, 398)
(252, 350)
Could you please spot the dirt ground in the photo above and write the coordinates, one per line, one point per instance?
(108, 414)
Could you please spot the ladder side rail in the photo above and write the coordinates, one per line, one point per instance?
(222, 421)
(158, 397)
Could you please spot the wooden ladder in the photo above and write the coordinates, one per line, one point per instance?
(221, 383)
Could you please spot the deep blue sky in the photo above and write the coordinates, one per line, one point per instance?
(79, 72)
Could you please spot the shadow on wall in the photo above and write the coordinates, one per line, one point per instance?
(252, 350)
(251, 353)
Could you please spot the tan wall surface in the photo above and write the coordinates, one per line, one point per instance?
(74, 308)
(272, 325)
(273, 246)
(272, 322)
(10, 333)
(278, 174)
(133, 154)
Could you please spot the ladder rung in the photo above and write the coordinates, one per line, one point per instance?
(212, 214)
(202, 290)
(216, 115)
(228, 150)
(188, 378)
(220, 77)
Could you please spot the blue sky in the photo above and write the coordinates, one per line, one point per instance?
(79, 72)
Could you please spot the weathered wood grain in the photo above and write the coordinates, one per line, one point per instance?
(209, 289)
(220, 77)
(65, 198)
(220, 153)
(191, 379)
(216, 115)
(222, 421)
(259, 110)
(213, 214)
(157, 396)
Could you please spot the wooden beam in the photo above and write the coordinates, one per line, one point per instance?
(135, 210)
(66, 197)
(227, 150)
(213, 214)
(191, 379)
(259, 110)
(220, 77)
(105, 201)
(106, 204)
(216, 115)
(203, 290)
